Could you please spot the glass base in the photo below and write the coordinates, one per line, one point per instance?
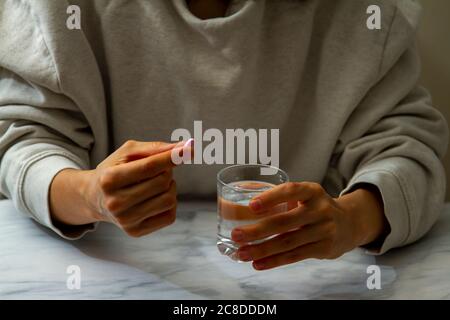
(228, 248)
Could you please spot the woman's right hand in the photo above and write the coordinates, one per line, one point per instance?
(132, 188)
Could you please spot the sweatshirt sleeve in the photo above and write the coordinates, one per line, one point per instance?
(41, 130)
(395, 140)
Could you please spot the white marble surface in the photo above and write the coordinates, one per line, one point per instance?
(182, 262)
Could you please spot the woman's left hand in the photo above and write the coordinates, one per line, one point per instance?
(315, 225)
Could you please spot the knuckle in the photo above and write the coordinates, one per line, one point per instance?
(286, 241)
(130, 144)
(133, 232)
(281, 221)
(173, 200)
(112, 204)
(328, 246)
(254, 232)
(291, 187)
(326, 208)
(172, 190)
(317, 188)
(260, 251)
(293, 256)
(122, 220)
(165, 180)
(334, 255)
(167, 175)
(157, 144)
(331, 230)
(169, 200)
(166, 185)
(106, 180)
(171, 217)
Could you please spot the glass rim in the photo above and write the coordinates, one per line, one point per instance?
(285, 175)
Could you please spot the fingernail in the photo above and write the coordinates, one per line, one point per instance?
(189, 143)
(256, 204)
(244, 255)
(237, 235)
(259, 265)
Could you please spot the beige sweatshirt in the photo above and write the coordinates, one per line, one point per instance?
(344, 97)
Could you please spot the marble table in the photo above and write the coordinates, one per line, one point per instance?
(182, 262)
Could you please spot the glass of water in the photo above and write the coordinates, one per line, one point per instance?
(236, 186)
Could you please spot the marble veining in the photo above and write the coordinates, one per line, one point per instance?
(182, 262)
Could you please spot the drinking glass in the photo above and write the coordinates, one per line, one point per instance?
(236, 186)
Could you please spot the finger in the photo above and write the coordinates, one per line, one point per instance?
(126, 174)
(153, 224)
(125, 198)
(281, 243)
(290, 191)
(133, 150)
(310, 250)
(139, 150)
(149, 208)
(276, 224)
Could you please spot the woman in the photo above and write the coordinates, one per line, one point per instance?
(79, 109)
